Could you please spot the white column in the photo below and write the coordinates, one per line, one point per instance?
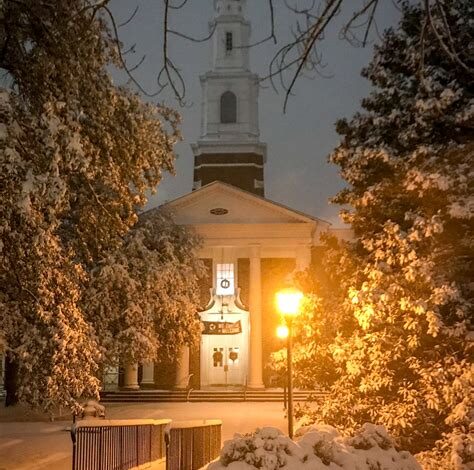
(130, 379)
(148, 374)
(182, 368)
(303, 257)
(255, 306)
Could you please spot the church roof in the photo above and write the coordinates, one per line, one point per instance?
(217, 195)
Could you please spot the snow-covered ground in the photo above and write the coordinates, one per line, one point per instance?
(43, 445)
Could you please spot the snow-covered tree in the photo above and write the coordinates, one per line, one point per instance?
(77, 155)
(407, 160)
(322, 316)
(145, 296)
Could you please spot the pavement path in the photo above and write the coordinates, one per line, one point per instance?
(47, 446)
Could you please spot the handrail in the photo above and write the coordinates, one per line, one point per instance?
(189, 379)
(195, 423)
(188, 395)
(189, 389)
(90, 423)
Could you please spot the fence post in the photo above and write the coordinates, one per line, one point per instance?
(167, 444)
(74, 447)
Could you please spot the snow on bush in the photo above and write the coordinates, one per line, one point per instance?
(454, 452)
(317, 447)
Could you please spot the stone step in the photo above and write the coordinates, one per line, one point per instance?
(195, 400)
(141, 396)
(203, 394)
(198, 393)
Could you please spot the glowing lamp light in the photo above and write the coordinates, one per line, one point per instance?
(288, 304)
(288, 301)
(282, 331)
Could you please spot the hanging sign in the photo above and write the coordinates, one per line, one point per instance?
(221, 328)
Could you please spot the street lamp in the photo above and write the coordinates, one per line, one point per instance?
(288, 304)
(282, 332)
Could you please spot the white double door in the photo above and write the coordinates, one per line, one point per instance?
(225, 358)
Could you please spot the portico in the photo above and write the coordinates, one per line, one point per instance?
(236, 225)
(239, 231)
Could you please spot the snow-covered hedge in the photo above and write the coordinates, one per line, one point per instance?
(316, 448)
(454, 452)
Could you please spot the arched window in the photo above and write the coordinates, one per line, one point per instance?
(228, 107)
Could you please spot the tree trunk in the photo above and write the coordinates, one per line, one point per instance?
(11, 380)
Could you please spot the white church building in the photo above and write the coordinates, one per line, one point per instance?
(250, 244)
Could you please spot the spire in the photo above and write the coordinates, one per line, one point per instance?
(229, 7)
(231, 36)
(229, 149)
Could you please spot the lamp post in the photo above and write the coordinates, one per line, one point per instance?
(288, 303)
(282, 333)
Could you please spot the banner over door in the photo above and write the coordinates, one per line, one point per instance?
(221, 328)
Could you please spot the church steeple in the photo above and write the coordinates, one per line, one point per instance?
(229, 148)
(230, 40)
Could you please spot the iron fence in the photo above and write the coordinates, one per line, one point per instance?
(119, 445)
(193, 444)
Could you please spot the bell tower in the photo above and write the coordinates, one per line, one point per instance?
(229, 148)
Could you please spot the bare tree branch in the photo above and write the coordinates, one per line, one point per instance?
(271, 36)
(304, 43)
(177, 7)
(119, 51)
(347, 31)
(190, 38)
(169, 74)
(130, 18)
(301, 55)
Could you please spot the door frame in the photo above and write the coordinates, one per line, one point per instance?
(210, 341)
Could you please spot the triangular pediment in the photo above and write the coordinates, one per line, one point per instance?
(219, 202)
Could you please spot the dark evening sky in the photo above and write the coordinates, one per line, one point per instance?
(297, 173)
